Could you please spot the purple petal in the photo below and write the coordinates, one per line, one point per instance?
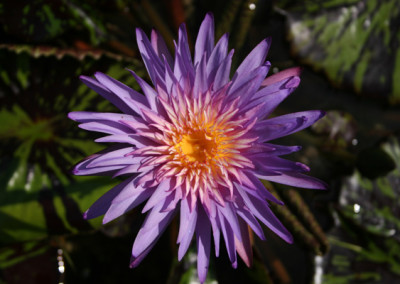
(137, 168)
(102, 204)
(205, 39)
(247, 85)
(150, 93)
(102, 122)
(160, 194)
(109, 127)
(131, 191)
(171, 201)
(188, 221)
(228, 212)
(261, 210)
(170, 79)
(151, 230)
(217, 56)
(136, 260)
(282, 75)
(295, 179)
(126, 200)
(255, 58)
(251, 221)
(284, 125)
(151, 60)
(273, 94)
(88, 116)
(255, 187)
(121, 90)
(223, 71)
(278, 164)
(136, 140)
(216, 232)
(203, 238)
(228, 238)
(244, 247)
(81, 169)
(114, 158)
(183, 66)
(267, 150)
(107, 94)
(200, 81)
(160, 47)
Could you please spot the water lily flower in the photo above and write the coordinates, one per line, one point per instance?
(196, 145)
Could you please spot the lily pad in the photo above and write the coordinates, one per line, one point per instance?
(355, 43)
(374, 203)
(39, 144)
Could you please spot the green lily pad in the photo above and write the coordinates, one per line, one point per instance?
(355, 43)
(374, 203)
(40, 145)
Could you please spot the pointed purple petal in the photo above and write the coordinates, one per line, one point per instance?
(282, 75)
(150, 58)
(81, 169)
(160, 194)
(252, 222)
(154, 225)
(255, 58)
(131, 191)
(295, 179)
(121, 90)
(108, 127)
(203, 239)
(205, 39)
(150, 93)
(183, 66)
(230, 215)
(160, 47)
(273, 94)
(124, 138)
(217, 56)
(126, 200)
(255, 187)
(267, 150)
(200, 81)
(228, 238)
(247, 85)
(102, 204)
(188, 221)
(223, 71)
(88, 116)
(261, 210)
(136, 260)
(284, 125)
(114, 158)
(107, 94)
(278, 164)
(244, 247)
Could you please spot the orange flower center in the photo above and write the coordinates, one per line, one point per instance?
(197, 147)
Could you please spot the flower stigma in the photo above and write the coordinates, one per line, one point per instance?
(197, 147)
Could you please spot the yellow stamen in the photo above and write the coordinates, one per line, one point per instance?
(197, 147)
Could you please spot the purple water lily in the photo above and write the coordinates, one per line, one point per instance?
(197, 144)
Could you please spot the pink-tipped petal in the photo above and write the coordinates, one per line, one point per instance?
(244, 247)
